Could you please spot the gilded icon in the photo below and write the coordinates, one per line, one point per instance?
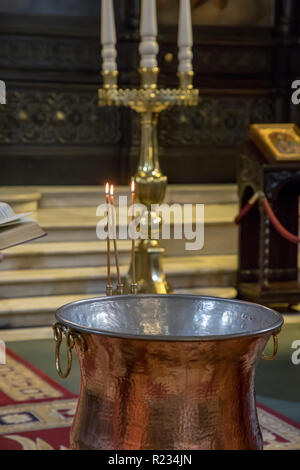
(277, 142)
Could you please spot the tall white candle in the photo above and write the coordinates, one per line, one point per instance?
(108, 36)
(185, 37)
(148, 30)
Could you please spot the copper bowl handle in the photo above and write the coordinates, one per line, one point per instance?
(71, 337)
(275, 348)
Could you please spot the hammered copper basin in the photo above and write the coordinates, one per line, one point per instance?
(167, 371)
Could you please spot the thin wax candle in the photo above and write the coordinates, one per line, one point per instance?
(120, 287)
(134, 284)
(109, 290)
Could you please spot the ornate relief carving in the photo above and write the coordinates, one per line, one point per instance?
(43, 117)
(249, 174)
(249, 169)
(61, 53)
(85, 54)
(217, 120)
(225, 60)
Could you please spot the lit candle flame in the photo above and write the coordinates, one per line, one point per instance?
(112, 188)
(132, 186)
(107, 188)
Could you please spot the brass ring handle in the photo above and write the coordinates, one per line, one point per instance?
(275, 348)
(71, 337)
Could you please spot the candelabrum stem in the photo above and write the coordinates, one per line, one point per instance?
(151, 187)
(151, 184)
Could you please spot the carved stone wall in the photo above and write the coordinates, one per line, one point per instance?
(217, 121)
(49, 53)
(53, 116)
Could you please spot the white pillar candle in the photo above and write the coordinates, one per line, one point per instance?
(185, 37)
(108, 36)
(148, 30)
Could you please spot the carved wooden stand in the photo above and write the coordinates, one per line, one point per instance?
(268, 264)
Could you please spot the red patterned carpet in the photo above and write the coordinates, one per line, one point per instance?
(36, 413)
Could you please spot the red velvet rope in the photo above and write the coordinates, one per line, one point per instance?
(242, 213)
(252, 201)
(269, 211)
(277, 225)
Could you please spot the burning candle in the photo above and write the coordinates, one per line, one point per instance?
(134, 284)
(120, 287)
(109, 290)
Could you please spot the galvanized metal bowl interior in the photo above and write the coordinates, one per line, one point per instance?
(169, 317)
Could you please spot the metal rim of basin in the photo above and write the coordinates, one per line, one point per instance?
(273, 328)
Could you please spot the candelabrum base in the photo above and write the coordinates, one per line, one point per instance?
(149, 270)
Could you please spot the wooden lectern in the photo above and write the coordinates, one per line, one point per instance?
(268, 262)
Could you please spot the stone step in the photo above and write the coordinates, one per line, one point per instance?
(26, 333)
(38, 311)
(33, 311)
(77, 224)
(85, 196)
(186, 272)
(93, 253)
(223, 292)
(21, 199)
(61, 255)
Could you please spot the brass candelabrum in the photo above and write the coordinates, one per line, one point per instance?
(151, 184)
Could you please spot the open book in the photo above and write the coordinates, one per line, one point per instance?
(16, 229)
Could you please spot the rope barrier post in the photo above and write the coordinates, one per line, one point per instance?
(264, 248)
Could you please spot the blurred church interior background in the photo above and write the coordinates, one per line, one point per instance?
(58, 148)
